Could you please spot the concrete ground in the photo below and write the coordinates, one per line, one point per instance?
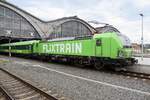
(79, 83)
(145, 61)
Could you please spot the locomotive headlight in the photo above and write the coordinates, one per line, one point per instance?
(121, 54)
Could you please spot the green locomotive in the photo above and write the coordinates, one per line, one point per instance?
(99, 50)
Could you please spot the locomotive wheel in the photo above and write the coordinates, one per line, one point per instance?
(99, 65)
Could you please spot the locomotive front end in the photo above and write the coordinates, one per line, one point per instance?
(125, 53)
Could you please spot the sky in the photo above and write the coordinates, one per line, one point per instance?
(122, 14)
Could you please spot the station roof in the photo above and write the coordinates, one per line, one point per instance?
(43, 27)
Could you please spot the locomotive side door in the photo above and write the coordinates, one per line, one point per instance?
(106, 47)
(103, 47)
(98, 48)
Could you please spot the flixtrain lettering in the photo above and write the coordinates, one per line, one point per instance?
(75, 48)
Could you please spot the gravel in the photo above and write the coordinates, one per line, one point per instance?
(78, 89)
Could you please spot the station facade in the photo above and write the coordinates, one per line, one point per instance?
(19, 24)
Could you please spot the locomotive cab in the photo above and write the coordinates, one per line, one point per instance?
(114, 47)
(126, 51)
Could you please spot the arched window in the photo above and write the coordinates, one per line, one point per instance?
(74, 29)
(107, 29)
(70, 29)
(19, 26)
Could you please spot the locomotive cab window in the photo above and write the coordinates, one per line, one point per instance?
(98, 42)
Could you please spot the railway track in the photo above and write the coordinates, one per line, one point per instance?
(136, 75)
(4, 95)
(15, 88)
